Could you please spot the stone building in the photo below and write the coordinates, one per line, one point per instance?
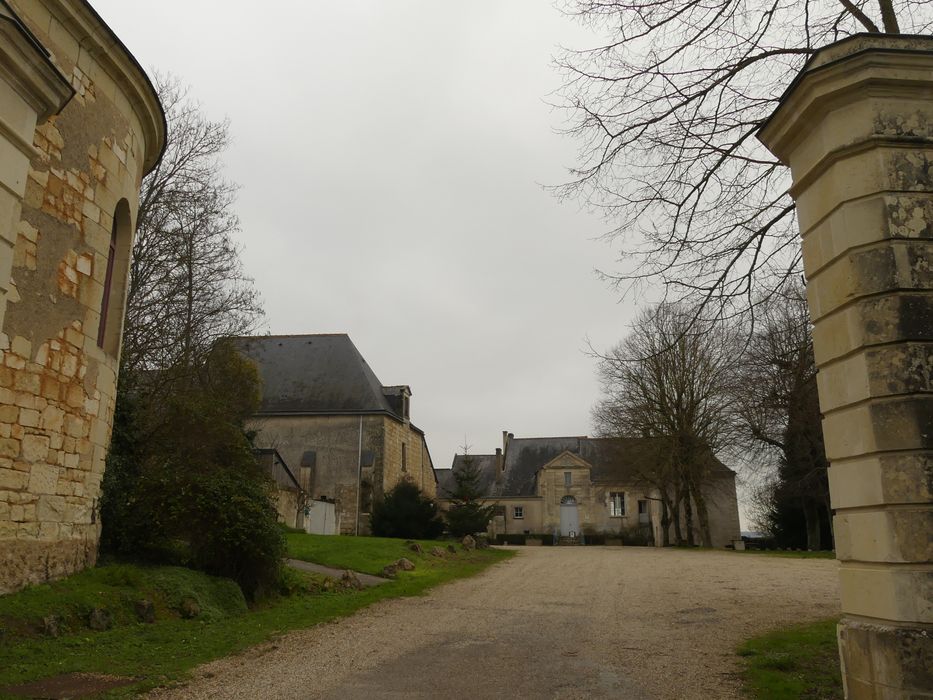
(80, 125)
(574, 485)
(329, 416)
(289, 496)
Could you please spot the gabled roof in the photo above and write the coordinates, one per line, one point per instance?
(314, 374)
(611, 460)
(525, 456)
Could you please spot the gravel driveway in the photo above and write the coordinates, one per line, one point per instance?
(554, 622)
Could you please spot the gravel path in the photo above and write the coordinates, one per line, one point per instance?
(555, 622)
(367, 580)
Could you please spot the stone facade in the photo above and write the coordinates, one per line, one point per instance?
(66, 220)
(290, 497)
(349, 436)
(535, 476)
(856, 129)
(337, 444)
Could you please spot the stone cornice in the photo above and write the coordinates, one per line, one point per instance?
(841, 72)
(99, 40)
(29, 71)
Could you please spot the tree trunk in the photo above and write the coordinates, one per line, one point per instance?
(675, 516)
(703, 516)
(688, 519)
(665, 524)
(811, 513)
(889, 17)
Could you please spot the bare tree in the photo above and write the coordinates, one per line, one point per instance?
(778, 407)
(670, 382)
(187, 285)
(666, 109)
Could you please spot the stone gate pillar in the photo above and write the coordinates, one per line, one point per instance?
(856, 129)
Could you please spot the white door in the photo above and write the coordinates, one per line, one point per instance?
(569, 518)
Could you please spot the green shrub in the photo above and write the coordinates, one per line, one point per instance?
(407, 513)
(636, 536)
(468, 519)
(182, 485)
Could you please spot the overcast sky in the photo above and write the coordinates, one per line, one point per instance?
(391, 156)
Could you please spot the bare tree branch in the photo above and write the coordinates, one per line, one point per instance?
(665, 109)
(187, 287)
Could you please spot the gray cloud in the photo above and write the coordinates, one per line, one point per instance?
(390, 155)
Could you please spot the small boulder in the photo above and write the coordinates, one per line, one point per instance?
(328, 585)
(469, 544)
(100, 619)
(482, 542)
(351, 580)
(404, 564)
(145, 610)
(189, 608)
(52, 625)
(416, 548)
(437, 552)
(389, 570)
(451, 549)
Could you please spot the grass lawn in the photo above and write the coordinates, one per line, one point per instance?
(797, 662)
(793, 554)
(366, 554)
(164, 651)
(803, 554)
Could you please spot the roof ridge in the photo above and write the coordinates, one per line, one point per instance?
(293, 335)
(554, 437)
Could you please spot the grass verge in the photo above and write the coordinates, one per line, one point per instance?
(801, 554)
(800, 662)
(161, 652)
(366, 554)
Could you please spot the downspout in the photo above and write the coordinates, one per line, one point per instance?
(359, 478)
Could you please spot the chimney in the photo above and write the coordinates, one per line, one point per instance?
(500, 463)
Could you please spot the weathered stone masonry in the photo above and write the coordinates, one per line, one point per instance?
(77, 206)
(856, 129)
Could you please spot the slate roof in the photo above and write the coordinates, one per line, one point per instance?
(308, 374)
(613, 460)
(485, 465)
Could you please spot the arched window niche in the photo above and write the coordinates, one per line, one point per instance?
(113, 301)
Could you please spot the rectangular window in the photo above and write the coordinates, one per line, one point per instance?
(616, 504)
(568, 478)
(404, 457)
(518, 512)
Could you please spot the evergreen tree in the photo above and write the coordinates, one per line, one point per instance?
(407, 513)
(467, 514)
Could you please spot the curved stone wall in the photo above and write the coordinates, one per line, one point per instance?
(59, 368)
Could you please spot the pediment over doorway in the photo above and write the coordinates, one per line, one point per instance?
(567, 460)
